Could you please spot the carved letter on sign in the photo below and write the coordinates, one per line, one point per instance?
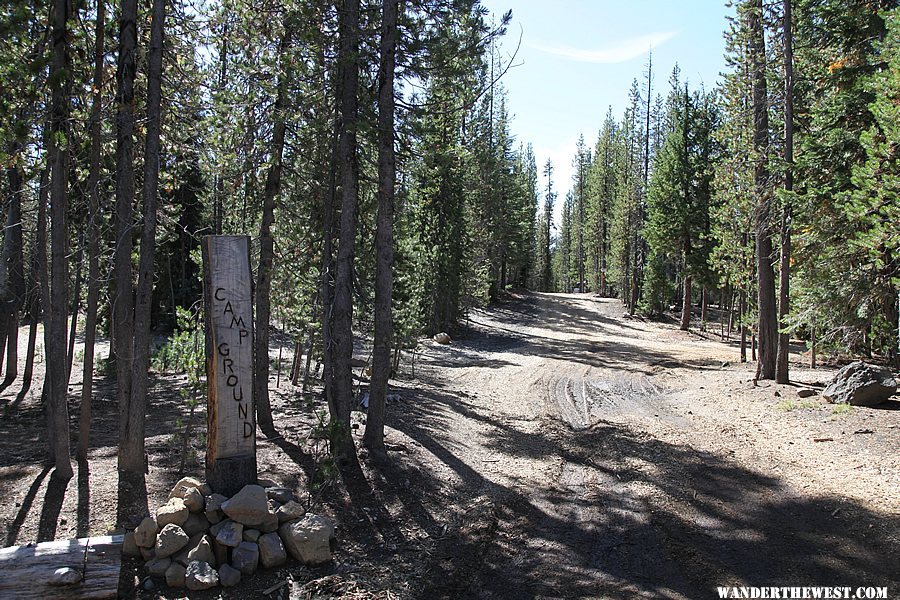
(231, 425)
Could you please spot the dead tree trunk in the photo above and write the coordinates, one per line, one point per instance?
(384, 237)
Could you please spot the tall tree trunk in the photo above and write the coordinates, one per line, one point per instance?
(123, 300)
(131, 440)
(768, 321)
(267, 247)
(342, 332)
(686, 298)
(55, 326)
(384, 237)
(36, 278)
(93, 236)
(14, 267)
(784, 339)
(76, 308)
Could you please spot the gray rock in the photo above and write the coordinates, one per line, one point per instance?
(221, 552)
(214, 507)
(205, 489)
(196, 523)
(145, 534)
(229, 576)
(307, 540)
(174, 511)
(251, 535)
(245, 558)
(65, 576)
(184, 485)
(280, 495)
(270, 525)
(170, 540)
(861, 384)
(149, 584)
(182, 555)
(158, 566)
(806, 392)
(271, 551)
(200, 576)
(203, 552)
(175, 575)
(194, 500)
(290, 512)
(248, 507)
(147, 553)
(129, 547)
(228, 533)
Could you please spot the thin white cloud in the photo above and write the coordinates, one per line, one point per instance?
(617, 52)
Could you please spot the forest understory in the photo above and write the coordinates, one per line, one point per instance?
(555, 449)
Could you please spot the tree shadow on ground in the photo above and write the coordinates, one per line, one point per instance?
(649, 518)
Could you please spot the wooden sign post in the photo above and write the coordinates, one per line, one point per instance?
(230, 417)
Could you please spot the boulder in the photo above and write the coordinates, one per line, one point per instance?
(203, 552)
(221, 552)
(248, 507)
(307, 540)
(194, 501)
(145, 534)
(442, 338)
(229, 576)
(182, 555)
(861, 384)
(290, 512)
(147, 553)
(129, 547)
(174, 511)
(228, 533)
(214, 507)
(184, 485)
(281, 495)
(175, 575)
(270, 525)
(158, 566)
(245, 558)
(251, 535)
(271, 551)
(196, 523)
(200, 576)
(806, 392)
(170, 540)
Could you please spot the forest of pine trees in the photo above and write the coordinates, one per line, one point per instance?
(366, 148)
(768, 204)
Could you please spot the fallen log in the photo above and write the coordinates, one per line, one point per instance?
(28, 571)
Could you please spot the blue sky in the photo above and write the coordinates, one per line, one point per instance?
(578, 57)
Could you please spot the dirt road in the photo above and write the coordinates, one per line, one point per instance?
(572, 453)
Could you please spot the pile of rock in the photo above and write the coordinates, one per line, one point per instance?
(200, 539)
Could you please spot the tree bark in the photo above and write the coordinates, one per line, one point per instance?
(267, 247)
(768, 321)
(131, 439)
(55, 323)
(93, 236)
(384, 237)
(36, 279)
(123, 301)
(784, 339)
(342, 332)
(14, 269)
